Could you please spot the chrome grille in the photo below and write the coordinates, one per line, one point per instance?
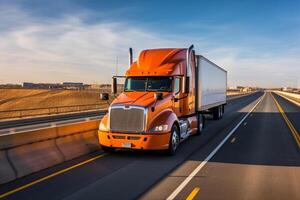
(127, 119)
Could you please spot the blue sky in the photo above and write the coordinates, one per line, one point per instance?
(53, 41)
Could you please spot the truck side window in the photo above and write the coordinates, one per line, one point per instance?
(177, 85)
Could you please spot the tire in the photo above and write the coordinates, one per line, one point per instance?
(107, 149)
(216, 113)
(201, 123)
(174, 141)
(221, 111)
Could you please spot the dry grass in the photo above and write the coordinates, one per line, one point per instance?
(17, 99)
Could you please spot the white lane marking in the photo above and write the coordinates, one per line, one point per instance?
(202, 164)
(233, 140)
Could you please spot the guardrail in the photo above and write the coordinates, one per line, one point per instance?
(30, 112)
(293, 96)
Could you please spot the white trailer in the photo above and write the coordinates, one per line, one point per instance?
(211, 84)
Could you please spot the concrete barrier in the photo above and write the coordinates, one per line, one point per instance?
(25, 153)
(6, 172)
(72, 146)
(91, 140)
(14, 140)
(293, 97)
(34, 157)
(77, 128)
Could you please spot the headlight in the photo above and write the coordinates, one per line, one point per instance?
(160, 128)
(103, 127)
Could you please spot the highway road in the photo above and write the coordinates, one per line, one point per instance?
(15, 126)
(252, 153)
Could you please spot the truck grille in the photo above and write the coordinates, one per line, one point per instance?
(127, 119)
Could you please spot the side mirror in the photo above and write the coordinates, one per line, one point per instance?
(114, 85)
(104, 96)
(158, 96)
(185, 84)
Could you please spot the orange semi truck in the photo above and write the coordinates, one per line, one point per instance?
(166, 94)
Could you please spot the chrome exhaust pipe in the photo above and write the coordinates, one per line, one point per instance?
(188, 55)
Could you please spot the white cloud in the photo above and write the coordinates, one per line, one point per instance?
(67, 49)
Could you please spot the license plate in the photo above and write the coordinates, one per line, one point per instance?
(126, 145)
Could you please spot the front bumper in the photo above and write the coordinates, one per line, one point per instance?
(155, 141)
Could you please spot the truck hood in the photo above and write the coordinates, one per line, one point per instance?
(144, 99)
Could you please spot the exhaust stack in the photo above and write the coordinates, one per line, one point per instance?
(185, 78)
(130, 56)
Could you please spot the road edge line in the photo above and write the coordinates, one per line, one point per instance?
(50, 176)
(203, 163)
(288, 122)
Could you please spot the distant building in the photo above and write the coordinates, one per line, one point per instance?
(72, 85)
(245, 89)
(10, 86)
(42, 85)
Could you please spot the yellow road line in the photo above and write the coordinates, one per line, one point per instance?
(288, 122)
(50, 176)
(193, 193)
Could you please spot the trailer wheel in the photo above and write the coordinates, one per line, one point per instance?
(221, 111)
(201, 123)
(217, 113)
(174, 141)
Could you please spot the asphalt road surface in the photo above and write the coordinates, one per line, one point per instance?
(245, 155)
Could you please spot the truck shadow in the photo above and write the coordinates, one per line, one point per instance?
(262, 139)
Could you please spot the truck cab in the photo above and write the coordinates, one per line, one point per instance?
(158, 106)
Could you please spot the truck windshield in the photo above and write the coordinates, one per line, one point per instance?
(151, 84)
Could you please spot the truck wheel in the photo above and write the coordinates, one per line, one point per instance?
(107, 149)
(201, 122)
(221, 111)
(216, 113)
(174, 141)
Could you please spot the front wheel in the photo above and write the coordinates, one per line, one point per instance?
(174, 141)
(201, 122)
